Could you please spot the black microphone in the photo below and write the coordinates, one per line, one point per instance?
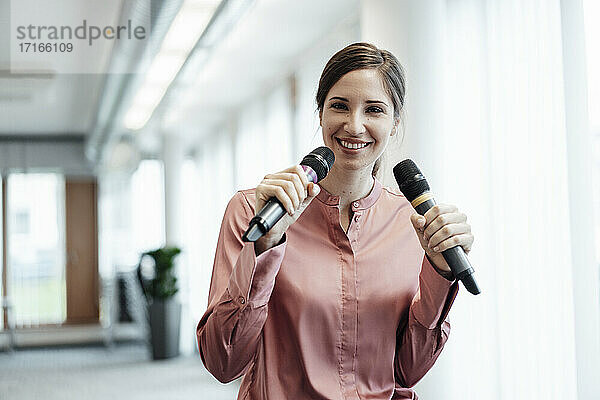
(416, 189)
(316, 165)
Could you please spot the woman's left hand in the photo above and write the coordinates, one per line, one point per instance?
(441, 228)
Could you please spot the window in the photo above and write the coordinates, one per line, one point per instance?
(36, 248)
(147, 206)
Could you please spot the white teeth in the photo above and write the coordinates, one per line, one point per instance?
(349, 145)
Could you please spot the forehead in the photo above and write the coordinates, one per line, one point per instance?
(360, 84)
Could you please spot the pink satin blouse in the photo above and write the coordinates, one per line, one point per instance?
(326, 314)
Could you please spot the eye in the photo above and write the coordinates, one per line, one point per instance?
(375, 110)
(339, 106)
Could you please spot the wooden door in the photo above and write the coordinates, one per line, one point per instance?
(82, 251)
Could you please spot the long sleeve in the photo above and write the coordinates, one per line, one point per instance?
(421, 340)
(241, 285)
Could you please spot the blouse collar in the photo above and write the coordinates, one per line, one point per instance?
(327, 198)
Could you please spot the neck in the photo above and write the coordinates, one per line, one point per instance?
(348, 185)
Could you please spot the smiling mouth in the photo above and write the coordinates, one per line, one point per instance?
(352, 146)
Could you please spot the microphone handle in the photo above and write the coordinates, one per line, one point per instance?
(455, 257)
(269, 215)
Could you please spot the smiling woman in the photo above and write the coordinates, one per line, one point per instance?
(344, 297)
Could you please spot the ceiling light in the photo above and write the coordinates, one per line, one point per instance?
(184, 32)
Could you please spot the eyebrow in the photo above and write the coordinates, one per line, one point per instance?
(368, 101)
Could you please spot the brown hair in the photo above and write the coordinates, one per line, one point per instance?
(365, 56)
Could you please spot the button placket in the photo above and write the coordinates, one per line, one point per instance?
(354, 228)
(355, 219)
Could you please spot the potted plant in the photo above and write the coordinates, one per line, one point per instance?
(164, 309)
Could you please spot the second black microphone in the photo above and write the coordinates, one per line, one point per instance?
(416, 189)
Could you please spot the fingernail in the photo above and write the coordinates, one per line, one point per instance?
(436, 248)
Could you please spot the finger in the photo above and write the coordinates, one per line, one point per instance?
(441, 220)
(438, 209)
(458, 240)
(446, 232)
(301, 182)
(469, 244)
(295, 179)
(295, 169)
(290, 190)
(298, 170)
(266, 191)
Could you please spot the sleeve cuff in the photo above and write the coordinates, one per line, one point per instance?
(253, 278)
(434, 297)
(446, 274)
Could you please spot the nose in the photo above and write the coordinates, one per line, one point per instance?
(355, 123)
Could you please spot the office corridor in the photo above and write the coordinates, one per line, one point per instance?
(128, 126)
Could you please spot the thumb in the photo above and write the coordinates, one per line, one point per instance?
(313, 190)
(418, 222)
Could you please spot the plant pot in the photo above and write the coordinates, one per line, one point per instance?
(165, 318)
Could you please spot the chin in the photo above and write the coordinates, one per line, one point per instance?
(355, 166)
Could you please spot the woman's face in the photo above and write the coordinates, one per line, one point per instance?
(357, 119)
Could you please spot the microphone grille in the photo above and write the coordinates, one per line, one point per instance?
(410, 180)
(320, 160)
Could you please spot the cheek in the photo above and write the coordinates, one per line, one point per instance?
(331, 125)
(382, 131)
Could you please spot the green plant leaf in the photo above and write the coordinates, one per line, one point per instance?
(164, 284)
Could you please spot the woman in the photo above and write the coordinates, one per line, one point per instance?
(342, 299)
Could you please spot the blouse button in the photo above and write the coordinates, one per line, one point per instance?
(356, 217)
(242, 300)
(355, 204)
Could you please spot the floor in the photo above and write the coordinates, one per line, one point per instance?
(94, 373)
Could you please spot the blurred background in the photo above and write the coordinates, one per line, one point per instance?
(502, 115)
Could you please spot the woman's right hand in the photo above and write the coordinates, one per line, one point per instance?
(292, 188)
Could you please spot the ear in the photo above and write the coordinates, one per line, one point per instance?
(321, 118)
(395, 128)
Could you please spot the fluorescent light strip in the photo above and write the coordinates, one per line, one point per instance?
(184, 32)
